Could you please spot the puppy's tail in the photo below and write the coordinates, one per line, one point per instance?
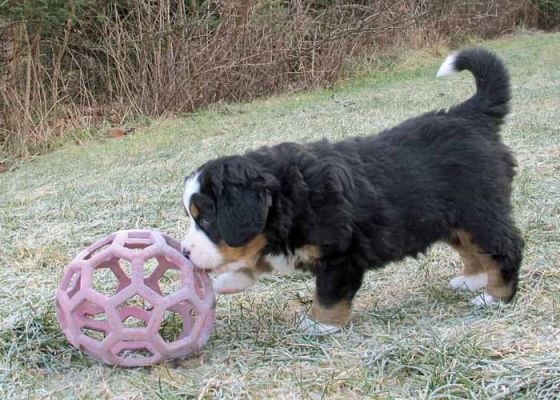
(492, 82)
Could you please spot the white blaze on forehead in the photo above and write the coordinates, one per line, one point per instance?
(192, 186)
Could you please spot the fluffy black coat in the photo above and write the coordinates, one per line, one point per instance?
(367, 201)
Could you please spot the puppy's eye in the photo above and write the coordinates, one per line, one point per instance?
(203, 222)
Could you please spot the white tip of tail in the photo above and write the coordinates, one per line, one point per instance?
(448, 66)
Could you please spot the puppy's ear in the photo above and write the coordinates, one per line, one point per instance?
(241, 214)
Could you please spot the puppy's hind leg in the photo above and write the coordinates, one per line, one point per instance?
(502, 266)
(474, 276)
(498, 247)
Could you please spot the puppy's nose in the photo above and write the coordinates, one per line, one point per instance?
(186, 252)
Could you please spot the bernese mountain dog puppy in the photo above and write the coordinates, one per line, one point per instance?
(341, 209)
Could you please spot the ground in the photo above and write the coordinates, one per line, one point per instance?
(410, 336)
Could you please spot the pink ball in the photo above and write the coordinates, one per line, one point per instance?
(121, 298)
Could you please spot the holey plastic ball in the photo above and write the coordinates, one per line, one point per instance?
(132, 299)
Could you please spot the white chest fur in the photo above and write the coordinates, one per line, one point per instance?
(300, 258)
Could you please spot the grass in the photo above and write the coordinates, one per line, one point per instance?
(410, 337)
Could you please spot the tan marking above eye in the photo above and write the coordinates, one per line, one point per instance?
(195, 212)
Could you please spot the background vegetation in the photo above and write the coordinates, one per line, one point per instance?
(69, 66)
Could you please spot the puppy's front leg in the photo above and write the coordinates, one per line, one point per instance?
(336, 285)
(233, 281)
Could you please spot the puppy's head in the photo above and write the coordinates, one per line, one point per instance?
(228, 201)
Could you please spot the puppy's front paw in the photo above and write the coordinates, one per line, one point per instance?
(232, 282)
(484, 300)
(308, 326)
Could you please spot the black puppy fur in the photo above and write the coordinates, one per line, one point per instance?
(367, 201)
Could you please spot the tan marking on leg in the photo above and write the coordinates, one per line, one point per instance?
(337, 314)
(496, 286)
(475, 262)
(469, 253)
(311, 252)
(263, 266)
(471, 263)
(307, 257)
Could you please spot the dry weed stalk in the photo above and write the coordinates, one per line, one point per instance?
(147, 58)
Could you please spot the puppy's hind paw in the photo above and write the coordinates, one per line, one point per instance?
(484, 300)
(471, 282)
(308, 326)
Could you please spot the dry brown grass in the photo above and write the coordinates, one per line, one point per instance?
(112, 65)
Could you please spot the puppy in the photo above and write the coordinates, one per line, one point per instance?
(341, 209)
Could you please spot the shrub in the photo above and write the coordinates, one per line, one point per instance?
(70, 65)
